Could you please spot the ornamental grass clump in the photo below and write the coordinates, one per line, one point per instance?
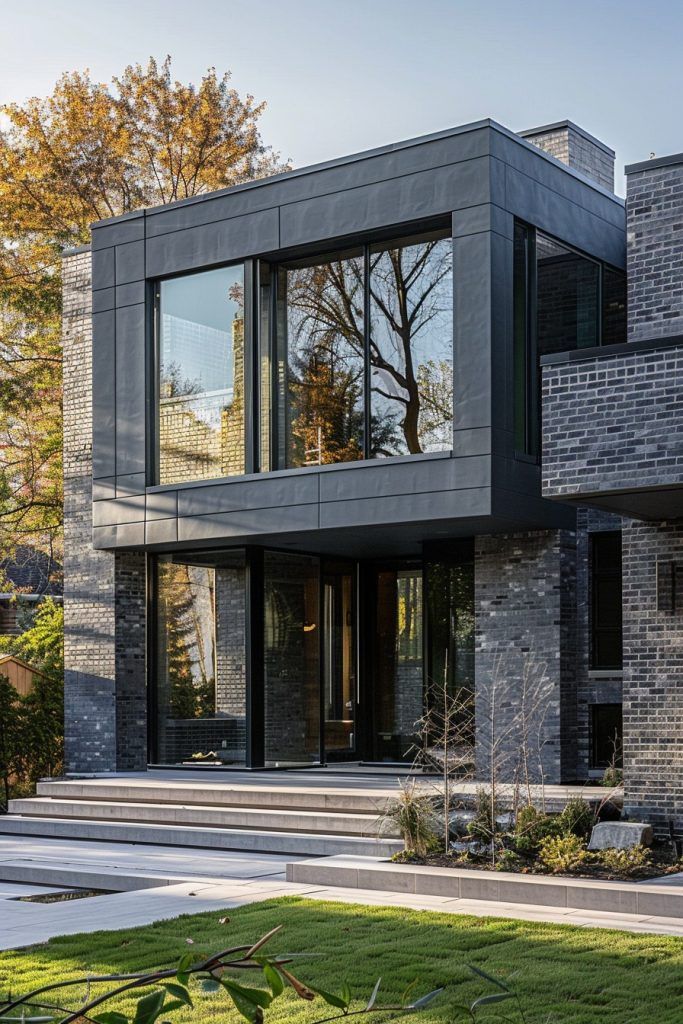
(414, 815)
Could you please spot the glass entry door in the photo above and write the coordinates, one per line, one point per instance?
(339, 659)
(397, 661)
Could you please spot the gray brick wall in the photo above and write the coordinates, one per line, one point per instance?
(591, 687)
(525, 637)
(104, 652)
(654, 219)
(568, 143)
(613, 422)
(653, 670)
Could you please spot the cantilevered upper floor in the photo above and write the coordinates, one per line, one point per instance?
(345, 357)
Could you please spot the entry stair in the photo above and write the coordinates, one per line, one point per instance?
(275, 815)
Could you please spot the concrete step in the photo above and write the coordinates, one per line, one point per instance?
(223, 794)
(294, 843)
(259, 819)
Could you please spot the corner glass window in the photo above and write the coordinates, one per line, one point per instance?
(568, 294)
(200, 415)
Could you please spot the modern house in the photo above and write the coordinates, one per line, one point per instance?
(336, 437)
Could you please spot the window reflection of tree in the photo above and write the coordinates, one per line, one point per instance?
(325, 361)
(411, 346)
(411, 342)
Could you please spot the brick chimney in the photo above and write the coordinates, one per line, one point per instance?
(575, 147)
(654, 247)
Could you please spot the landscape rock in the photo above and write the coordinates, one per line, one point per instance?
(620, 835)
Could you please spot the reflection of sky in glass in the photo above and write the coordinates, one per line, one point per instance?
(197, 313)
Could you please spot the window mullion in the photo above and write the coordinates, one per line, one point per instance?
(367, 419)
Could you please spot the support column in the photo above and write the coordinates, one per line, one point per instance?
(653, 674)
(104, 593)
(525, 629)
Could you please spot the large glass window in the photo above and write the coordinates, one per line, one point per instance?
(320, 361)
(364, 355)
(411, 346)
(199, 680)
(567, 297)
(200, 417)
(606, 603)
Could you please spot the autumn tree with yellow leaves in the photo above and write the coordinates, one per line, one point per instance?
(86, 152)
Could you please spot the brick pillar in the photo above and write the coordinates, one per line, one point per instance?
(653, 671)
(525, 635)
(104, 593)
(654, 256)
(577, 148)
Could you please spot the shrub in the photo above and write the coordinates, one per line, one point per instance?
(414, 815)
(508, 860)
(577, 818)
(484, 826)
(531, 828)
(612, 778)
(560, 854)
(625, 862)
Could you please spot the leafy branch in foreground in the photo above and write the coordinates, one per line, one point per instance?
(168, 990)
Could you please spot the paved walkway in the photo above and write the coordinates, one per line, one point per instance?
(188, 881)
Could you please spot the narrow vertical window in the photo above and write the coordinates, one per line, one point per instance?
(606, 610)
(200, 416)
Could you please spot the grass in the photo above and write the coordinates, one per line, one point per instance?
(563, 974)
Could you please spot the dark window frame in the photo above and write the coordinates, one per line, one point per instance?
(599, 576)
(527, 408)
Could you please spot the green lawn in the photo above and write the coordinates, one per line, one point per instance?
(561, 973)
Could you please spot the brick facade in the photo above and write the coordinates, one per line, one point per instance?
(525, 628)
(104, 593)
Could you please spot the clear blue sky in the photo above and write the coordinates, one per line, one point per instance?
(345, 75)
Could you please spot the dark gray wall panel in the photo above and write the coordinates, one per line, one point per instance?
(248, 523)
(129, 294)
(472, 299)
(121, 510)
(132, 483)
(415, 196)
(534, 164)
(103, 268)
(208, 244)
(161, 531)
(566, 219)
(130, 390)
(162, 504)
(104, 393)
(402, 478)
(104, 489)
(130, 262)
(119, 230)
(348, 174)
(439, 505)
(103, 299)
(254, 492)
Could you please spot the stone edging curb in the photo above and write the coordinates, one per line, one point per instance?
(641, 898)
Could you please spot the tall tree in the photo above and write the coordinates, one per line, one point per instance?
(86, 152)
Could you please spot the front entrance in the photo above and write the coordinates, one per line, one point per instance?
(268, 659)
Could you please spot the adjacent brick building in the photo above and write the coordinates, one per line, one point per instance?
(389, 429)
